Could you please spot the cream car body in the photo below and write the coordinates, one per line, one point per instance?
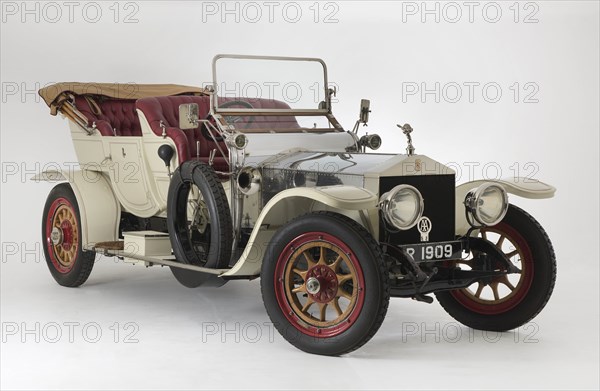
(220, 188)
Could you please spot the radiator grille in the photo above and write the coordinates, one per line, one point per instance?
(439, 193)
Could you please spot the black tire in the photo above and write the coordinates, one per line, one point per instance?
(535, 249)
(363, 321)
(68, 263)
(218, 235)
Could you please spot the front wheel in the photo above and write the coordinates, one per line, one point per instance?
(507, 302)
(324, 284)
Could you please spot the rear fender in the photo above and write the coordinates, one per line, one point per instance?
(99, 209)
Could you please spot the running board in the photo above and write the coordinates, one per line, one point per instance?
(159, 261)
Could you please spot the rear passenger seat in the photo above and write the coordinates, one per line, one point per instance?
(118, 117)
(113, 117)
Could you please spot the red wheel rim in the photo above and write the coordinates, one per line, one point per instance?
(340, 279)
(520, 248)
(62, 235)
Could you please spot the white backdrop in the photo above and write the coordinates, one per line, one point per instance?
(129, 327)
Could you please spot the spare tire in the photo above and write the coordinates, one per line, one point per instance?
(199, 223)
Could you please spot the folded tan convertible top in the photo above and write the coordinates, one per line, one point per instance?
(54, 95)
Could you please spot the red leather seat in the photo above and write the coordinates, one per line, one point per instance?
(166, 109)
(113, 117)
(263, 121)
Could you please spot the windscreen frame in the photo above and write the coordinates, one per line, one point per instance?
(300, 112)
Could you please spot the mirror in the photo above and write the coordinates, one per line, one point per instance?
(365, 105)
(188, 116)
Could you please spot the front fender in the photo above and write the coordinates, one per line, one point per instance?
(522, 187)
(348, 200)
(99, 209)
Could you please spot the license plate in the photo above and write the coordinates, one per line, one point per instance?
(438, 251)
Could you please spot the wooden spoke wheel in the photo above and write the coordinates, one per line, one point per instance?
(511, 300)
(499, 294)
(61, 233)
(324, 283)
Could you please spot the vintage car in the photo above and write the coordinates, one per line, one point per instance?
(223, 183)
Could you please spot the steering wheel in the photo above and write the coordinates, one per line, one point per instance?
(231, 119)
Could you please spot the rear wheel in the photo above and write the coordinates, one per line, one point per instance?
(507, 302)
(324, 284)
(61, 234)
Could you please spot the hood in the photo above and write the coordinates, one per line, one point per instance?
(359, 164)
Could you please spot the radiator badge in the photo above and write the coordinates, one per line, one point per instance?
(424, 227)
